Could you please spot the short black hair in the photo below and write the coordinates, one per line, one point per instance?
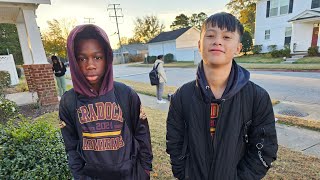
(224, 21)
(160, 57)
(54, 58)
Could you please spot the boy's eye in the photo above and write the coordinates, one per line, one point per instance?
(98, 57)
(81, 58)
(226, 37)
(210, 35)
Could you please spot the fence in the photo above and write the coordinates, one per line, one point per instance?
(7, 64)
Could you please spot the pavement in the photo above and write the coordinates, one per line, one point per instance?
(295, 138)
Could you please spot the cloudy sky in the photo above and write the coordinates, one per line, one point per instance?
(165, 10)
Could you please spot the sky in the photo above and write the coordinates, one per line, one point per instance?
(165, 10)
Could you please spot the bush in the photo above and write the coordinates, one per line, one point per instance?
(5, 81)
(151, 59)
(246, 42)
(32, 151)
(313, 51)
(135, 58)
(280, 53)
(272, 48)
(168, 58)
(8, 109)
(257, 49)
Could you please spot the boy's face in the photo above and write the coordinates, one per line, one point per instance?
(218, 47)
(91, 59)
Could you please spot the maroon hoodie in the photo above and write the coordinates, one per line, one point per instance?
(104, 139)
(80, 84)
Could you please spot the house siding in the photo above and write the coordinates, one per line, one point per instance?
(164, 48)
(278, 24)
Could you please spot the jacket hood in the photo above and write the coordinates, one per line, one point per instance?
(238, 78)
(80, 83)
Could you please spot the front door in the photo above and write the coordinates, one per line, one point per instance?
(314, 41)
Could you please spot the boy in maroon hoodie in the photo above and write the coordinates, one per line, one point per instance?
(105, 135)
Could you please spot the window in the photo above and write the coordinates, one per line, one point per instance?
(287, 39)
(315, 4)
(273, 8)
(279, 7)
(284, 7)
(267, 34)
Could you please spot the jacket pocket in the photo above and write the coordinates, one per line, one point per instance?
(111, 171)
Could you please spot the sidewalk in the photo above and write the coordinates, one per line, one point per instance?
(295, 138)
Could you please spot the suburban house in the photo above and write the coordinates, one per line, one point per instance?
(182, 43)
(288, 22)
(130, 49)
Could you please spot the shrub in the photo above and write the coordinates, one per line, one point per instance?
(151, 59)
(8, 109)
(280, 53)
(19, 72)
(135, 58)
(168, 58)
(313, 51)
(5, 81)
(32, 151)
(272, 48)
(246, 42)
(257, 49)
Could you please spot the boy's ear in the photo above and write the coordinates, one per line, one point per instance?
(239, 48)
(199, 46)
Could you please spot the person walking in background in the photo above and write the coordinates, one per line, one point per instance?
(105, 131)
(162, 78)
(59, 70)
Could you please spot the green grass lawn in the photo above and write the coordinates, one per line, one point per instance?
(262, 58)
(308, 60)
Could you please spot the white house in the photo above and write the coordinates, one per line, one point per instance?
(182, 43)
(288, 22)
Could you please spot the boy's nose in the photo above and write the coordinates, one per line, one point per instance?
(91, 64)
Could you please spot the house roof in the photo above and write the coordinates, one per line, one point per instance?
(306, 15)
(170, 35)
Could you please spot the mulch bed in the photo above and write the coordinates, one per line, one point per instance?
(33, 111)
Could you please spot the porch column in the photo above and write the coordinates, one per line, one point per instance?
(36, 47)
(23, 38)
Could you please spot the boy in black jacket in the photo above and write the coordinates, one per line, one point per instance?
(222, 125)
(105, 135)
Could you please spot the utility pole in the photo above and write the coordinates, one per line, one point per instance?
(115, 8)
(88, 20)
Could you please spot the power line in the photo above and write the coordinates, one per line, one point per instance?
(115, 11)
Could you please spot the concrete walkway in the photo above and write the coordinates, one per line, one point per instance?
(295, 138)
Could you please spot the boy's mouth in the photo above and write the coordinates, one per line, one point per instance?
(92, 78)
(216, 50)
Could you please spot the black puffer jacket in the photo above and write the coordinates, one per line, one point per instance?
(245, 141)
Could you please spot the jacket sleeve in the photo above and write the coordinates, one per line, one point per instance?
(175, 137)
(263, 146)
(71, 139)
(162, 73)
(141, 132)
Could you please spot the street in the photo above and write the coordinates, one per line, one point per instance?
(300, 87)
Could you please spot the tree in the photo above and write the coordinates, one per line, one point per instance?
(246, 42)
(196, 20)
(245, 10)
(55, 37)
(181, 21)
(146, 28)
(10, 42)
